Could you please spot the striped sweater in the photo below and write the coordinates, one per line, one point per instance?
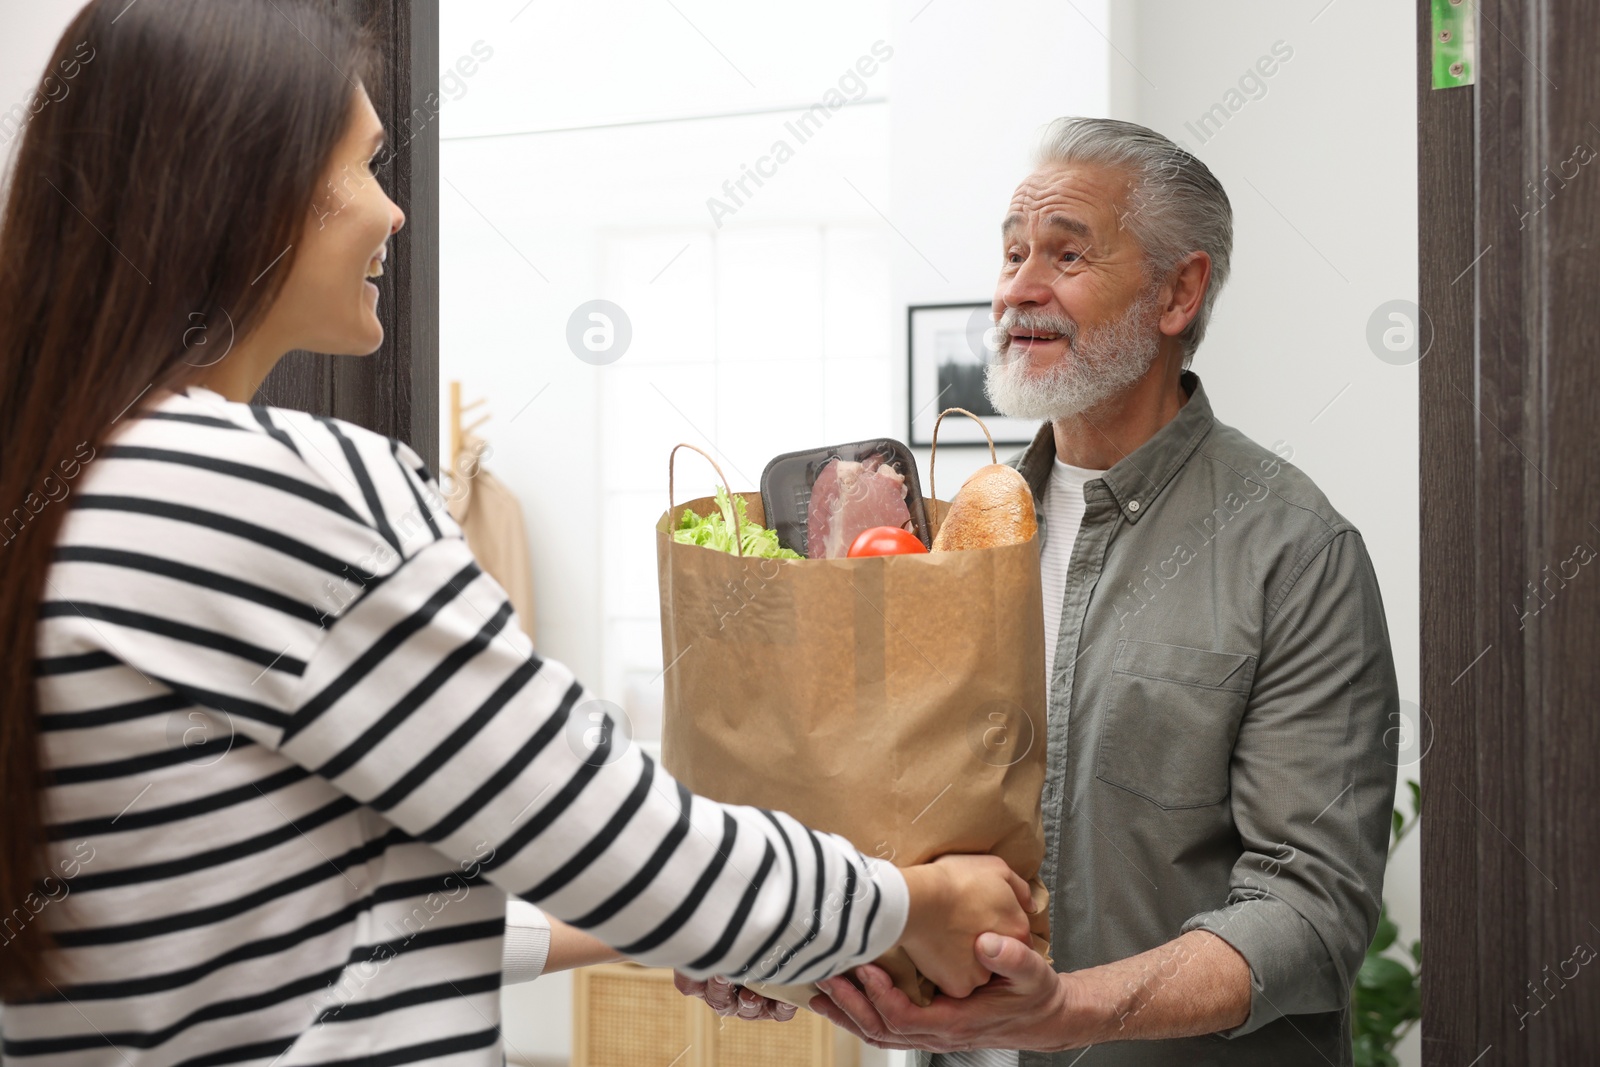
(300, 752)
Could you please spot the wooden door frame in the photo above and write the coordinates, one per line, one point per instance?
(394, 391)
(1510, 476)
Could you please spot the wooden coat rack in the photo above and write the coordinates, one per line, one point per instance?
(458, 431)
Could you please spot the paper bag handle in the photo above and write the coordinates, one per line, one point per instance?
(933, 453)
(672, 499)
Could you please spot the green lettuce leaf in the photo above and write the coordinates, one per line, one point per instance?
(716, 531)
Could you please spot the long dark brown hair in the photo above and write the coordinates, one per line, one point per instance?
(172, 155)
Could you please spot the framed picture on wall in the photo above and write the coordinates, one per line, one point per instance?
(946, 343)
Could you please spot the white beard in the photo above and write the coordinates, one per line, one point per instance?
(1100, 362)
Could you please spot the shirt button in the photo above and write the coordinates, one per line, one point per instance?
(1133, 505)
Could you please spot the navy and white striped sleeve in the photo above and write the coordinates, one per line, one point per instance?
(424, 700)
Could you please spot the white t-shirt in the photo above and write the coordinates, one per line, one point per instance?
(1063, 514)
(1063, 511)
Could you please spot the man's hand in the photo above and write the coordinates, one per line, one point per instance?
(1025, 1005)
(1195, 984)
(727, 999)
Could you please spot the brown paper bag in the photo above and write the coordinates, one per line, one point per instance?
(898, 701)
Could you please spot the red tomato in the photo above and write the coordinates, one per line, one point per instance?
(886, 541)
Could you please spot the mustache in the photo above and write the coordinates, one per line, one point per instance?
(1042, 321)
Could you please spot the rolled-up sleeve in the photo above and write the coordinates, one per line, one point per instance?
(1313, 782)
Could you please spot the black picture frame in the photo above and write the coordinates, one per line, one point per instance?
(945, 360)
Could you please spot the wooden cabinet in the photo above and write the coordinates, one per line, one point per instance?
(625, 1015)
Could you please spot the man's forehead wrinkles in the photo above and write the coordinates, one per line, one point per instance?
(1063, 211)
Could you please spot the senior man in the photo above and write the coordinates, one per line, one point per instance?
(1218, 796)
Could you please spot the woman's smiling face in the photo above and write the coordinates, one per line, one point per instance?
(328, 304)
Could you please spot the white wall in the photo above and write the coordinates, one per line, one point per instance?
(535, 224)
(766, 333)
(1321, 169)
(972, 92)
(32, 28)
(783, 328)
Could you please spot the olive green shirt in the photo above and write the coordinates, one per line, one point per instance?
(1217, 760)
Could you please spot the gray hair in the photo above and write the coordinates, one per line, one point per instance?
(1176, 205)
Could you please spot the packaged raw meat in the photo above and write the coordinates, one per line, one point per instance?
(819, 500)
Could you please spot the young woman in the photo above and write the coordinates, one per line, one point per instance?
(284, 751)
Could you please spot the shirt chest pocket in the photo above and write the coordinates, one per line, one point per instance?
(1168, 728)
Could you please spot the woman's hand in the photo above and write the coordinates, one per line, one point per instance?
(953, 900)
(727, 999)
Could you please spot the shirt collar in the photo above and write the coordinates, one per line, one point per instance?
(1137, 479)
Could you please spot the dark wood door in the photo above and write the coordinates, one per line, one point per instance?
(1509, 257)
(395, 391)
